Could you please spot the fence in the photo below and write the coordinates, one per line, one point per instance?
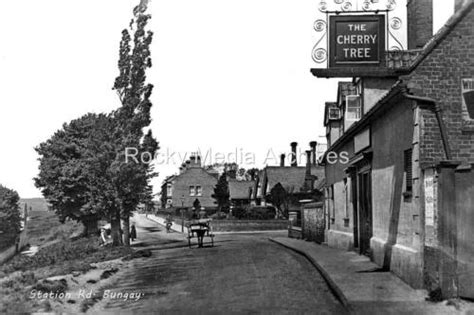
(313, 222)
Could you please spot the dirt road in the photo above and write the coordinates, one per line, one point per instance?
(240, 274)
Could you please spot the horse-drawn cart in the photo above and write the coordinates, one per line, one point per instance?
(199, 229)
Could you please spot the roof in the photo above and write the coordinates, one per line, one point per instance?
(290, 177)
(399, 88)
(443, 32)
(319, 172)
(240, 189)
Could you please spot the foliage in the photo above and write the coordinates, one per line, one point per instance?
(251, 174)
(131, 180)
(221, 193)
(66, 255)
(280, 198)
(44, 227)
(254, 213)
(73, 167)
(10, 220)
(84, 173)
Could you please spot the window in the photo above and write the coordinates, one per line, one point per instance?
(169, 190)
(408, 170)
(334, 113)
(191, 191)
(467, 88)
(353, 107)
(198, 191)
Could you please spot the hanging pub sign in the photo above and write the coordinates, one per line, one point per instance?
(356, 40)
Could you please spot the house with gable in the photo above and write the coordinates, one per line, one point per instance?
(399, 166)
(192, 183)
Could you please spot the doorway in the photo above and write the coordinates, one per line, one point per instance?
(364, 211)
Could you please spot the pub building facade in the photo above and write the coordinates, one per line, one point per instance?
(399, 165)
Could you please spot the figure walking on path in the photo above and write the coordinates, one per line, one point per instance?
(133, 233)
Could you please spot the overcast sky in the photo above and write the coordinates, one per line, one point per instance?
(229, 76)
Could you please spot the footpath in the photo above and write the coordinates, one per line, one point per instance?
(178, 228)
(175, 227)
(363, 288)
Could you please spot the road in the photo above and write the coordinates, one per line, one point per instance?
(242, 273)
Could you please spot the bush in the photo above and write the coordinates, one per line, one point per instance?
(254, 213)
(9, 217)
(78, 254)
(54, 286)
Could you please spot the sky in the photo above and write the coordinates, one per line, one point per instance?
(232, 78)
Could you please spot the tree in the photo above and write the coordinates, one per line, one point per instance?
(280, 198)
(131, 180)
(251, 174)
(74, 170)
(231, 170)
(10, 220)
(221, 193)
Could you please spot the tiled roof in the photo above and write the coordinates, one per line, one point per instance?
(291, 178)
(240, 189)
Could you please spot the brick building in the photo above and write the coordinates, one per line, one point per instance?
(399, 181)
(192, 183)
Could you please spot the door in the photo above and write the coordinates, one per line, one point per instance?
(365, 212)
(354, 201)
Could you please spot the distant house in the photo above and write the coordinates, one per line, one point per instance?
(296, 180)
(240, 192)
(193, 182)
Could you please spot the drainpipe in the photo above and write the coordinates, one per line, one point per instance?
(431, 105)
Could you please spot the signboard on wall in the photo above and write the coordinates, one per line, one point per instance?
(356, 40)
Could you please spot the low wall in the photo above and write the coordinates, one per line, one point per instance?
(248, 225)
(295, 232)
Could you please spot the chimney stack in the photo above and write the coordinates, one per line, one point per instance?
(294, 160)
(313, 145)
(198, 160)
(308, 162)
(420, 22)
(308, 178)
(282, 160)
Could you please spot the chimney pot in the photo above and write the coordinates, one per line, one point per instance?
(282, 160)
(313, 145)
(308, 178)
(294, 161)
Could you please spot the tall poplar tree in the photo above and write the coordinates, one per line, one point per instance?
(131, 179)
